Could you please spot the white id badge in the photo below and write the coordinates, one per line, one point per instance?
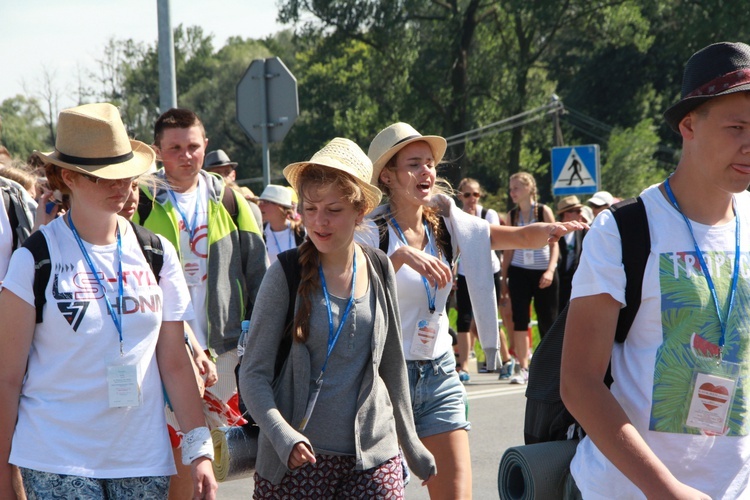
(528, 257)
(424, 339)
(712, 392)
(310, 405)
(191, 268)
(122, 385)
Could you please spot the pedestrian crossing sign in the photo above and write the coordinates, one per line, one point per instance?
(575, 170)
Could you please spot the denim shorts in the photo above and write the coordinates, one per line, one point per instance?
(438, 398)
(47, 485)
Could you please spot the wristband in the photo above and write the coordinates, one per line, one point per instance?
(197, 443)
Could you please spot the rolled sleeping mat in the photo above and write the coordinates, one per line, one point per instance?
(535, 471)
(235, 451)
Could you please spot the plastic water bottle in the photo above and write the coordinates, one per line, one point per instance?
(243, 338)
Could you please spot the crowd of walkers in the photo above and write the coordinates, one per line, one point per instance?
(127, 271)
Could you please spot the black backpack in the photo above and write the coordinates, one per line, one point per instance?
(37, 244)
(546, 418)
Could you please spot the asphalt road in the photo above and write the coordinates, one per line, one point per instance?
(496, 411)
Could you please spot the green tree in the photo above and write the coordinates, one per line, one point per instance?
(629, 165)
(23, 127)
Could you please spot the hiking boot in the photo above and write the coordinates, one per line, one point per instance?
(463, 376)
(506, 371)
(521, 378)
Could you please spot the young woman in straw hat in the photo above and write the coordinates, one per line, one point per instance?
(404, 167)
(332, 419)
(84, 406)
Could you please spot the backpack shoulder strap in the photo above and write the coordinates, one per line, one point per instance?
(145, 205)
(299, 235)
(10, 210)
(632, 223)
(445, 241)
(151, 247)
(384, 233)
(37, 245)
(18, 216)
(379, 260)
(289, 261)
(230, 203)
(484, 213)
(540, 212)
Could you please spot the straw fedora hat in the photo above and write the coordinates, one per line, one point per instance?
(393, 139)
(568, 203)
(345, 155)
(91, 139)
(719, 69)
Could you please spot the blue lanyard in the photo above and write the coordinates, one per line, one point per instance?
(521, 222)
(723, 320)
(334, 337)
(431, 247)
(289, 239)
(116, 317)
(191, 227)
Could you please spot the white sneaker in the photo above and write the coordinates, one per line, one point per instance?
(521, 378)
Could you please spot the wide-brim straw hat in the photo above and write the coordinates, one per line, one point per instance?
(344, 155)
(393, 139)
(91, 139)
(719, 69)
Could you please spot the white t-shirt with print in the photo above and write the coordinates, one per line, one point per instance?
(278, 241)
(65, 424)
(194, 252)
(653, 368)
(412, 296)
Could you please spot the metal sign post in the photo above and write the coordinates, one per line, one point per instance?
(267, 105)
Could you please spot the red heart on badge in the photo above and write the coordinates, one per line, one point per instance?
(713, 395)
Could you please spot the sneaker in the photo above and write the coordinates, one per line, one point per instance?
(521, 378)
(483, 368)
(463, 376)
(506, 371)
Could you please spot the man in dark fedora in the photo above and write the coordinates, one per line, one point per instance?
(675, 423)
(569, 208)
(219, 163)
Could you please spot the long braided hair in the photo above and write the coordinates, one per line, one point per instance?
(312, 179)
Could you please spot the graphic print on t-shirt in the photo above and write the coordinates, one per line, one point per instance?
(74, 291)
(691, 328)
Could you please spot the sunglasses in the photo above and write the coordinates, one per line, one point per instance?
(109, 183)
(467, 195)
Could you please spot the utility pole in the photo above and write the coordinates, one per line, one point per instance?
(557, 110)
(167, 79)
